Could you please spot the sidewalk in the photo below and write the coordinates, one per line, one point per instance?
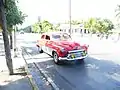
(17, 61)
(14, 82)
(31, 79)
(19, 81)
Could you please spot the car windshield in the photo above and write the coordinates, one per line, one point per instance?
(63, 36)
(55, 36)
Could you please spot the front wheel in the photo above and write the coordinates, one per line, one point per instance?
(56, 58)
(81, 60)
(40, 50)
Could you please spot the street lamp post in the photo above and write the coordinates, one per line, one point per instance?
(39, 21)
(70, 16)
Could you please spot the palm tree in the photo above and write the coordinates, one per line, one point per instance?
(90, 25)
(117, 10)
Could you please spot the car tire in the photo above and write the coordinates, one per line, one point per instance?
(80, 60)
(40, 50)
(56, 58)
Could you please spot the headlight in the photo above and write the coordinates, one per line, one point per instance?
(86, 45)
(77, 47)
(62, 50)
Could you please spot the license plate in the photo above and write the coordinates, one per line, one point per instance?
(75, 55)
(78, 54)
(72, 56)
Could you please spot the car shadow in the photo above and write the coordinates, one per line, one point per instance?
(31, 50)
(93, 73)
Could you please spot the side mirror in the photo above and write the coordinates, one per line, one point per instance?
(87, 45)
(69, 35)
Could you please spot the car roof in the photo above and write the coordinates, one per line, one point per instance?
(51, 33)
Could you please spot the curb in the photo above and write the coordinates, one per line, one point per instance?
(34, 86)
(46, 77)
(32, 82)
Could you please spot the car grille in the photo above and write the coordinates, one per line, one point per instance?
(76, 54)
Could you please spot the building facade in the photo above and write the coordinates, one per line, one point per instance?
(74, 29)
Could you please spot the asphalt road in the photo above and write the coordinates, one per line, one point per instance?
(100, 71)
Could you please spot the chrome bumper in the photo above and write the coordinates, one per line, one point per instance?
(75, 53)
(71, 59)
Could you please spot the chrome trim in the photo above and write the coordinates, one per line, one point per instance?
(65, 58)
(76, 51)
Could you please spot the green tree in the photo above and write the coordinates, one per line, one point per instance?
(75, 22)
(36, 27)
(109, 25)
(47, 26)
(5, 37)
(90, 24)
(98, 25)
(10, 13)
(44, 26)
(14, 16)
(56, 27)
(103, 26)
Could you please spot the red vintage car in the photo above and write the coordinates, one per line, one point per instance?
(61, 46)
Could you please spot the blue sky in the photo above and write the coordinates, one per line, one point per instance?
(58, 10)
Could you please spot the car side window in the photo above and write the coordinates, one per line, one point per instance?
(47, 37)
(43, 37)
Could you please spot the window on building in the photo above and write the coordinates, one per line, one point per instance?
(75, 30)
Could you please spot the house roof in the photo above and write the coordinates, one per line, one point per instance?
(115, 31)
(67, 26)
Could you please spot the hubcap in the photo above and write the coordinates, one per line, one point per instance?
(55, 57)
(39, 48)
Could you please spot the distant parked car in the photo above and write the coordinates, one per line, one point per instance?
(61, 47)
(21, 32)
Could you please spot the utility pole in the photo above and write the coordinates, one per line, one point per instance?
(39, 18)
(40, 26)
(70, 16)
(15, 48)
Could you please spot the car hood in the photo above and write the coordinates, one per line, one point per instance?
(69, 45)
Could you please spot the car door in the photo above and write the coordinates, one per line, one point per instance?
(41, 42)
(48, 45)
